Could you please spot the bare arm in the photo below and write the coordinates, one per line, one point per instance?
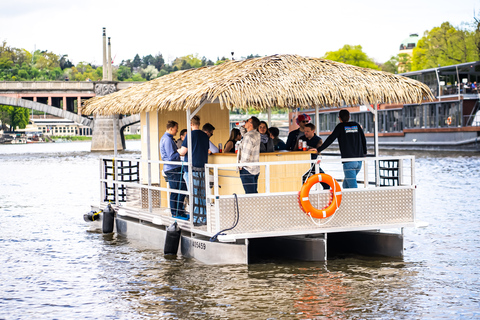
(228, 146)
(182, 151)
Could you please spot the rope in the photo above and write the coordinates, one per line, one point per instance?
(237, 217)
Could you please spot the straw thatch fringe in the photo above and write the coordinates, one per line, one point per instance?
(279, 81)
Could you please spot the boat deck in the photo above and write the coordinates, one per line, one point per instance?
(276, 214)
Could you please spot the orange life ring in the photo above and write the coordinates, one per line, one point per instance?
(334, 189)
(449, 120)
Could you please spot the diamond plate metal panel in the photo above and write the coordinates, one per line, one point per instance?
(359, 208)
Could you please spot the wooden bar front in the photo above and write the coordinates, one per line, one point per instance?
(283, 177)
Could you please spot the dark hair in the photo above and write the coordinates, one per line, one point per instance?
(344, 115)
(266, 125)
(233, 134)
(311, 126)
(171, 124)
(255, 122)
(184, 131)
(195, 120)
(208, 127)
(274, 131)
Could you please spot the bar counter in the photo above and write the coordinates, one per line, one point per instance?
(282, 177)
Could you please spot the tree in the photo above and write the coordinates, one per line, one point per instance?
(188, 62)
(14, 117)
(149, 72)
(136, 61)
(444, 46)
(352, 55)
(251, 56)
(123, 73)
(398, 64)
(159, 62)
(64, 62)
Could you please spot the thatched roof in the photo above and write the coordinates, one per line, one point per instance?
(278, 81)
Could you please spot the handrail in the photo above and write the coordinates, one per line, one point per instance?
(212, 192)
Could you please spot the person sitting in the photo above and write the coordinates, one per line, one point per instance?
(294, 135)
(235, 136)
(266, 143)
(179, 142)
(277, 142)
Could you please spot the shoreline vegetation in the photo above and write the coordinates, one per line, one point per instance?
(444, 45)
(89, 138)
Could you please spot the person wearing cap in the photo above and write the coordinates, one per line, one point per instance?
(294, 135)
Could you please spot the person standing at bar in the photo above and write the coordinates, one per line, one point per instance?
(183, 134)
(249, 151)
(199, 154)
(352, 144)
(294, 135)
(173, 172)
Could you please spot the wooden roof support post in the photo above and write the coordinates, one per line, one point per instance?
(269, 115)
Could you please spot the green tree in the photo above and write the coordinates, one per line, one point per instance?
(352, 55)
(14, 117)
(136, 61)
(398, 64)
(123, 73)
(149, 73)
(445, 46)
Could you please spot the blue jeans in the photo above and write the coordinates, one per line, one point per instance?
(175, 181)
(199, 202)
(249, 181)
(351, 169)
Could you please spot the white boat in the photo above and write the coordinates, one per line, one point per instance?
(241, 228)
(451, 122)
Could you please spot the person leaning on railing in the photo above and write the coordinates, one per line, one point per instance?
(352, 144)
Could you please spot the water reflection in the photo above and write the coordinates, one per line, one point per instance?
(52, 267)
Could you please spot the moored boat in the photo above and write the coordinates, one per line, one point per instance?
(451, 122)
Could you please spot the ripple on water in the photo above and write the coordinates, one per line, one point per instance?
(53, 267)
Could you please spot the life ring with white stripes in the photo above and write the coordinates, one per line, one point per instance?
(449, 120)
(334, 189)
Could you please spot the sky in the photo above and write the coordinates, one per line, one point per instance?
(213, 29)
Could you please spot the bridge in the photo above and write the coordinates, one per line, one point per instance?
(63, 99)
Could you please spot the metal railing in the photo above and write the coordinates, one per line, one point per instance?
(377, 173)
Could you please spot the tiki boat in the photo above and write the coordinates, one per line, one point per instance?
(241, 228)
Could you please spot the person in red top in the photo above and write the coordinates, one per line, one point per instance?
(294, 135)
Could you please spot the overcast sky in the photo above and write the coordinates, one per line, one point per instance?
(213, 28)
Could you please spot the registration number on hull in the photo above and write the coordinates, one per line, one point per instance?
(199, 245)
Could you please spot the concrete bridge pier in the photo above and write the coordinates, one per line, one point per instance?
(103, 134)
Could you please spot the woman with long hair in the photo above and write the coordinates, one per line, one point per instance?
(235, 136)
(266, 143)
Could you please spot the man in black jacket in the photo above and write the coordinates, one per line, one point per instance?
(352, 144)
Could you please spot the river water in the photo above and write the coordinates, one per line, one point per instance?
(52, 267)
